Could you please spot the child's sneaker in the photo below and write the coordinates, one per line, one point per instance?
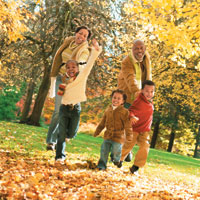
(101, 168)
(116, 163)
(134, 169)
(120, 164)
(129, 157)
(60, 160)
(50, 147)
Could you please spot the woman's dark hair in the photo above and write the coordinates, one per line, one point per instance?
(84, 27)
(121, 92)
(147, 82)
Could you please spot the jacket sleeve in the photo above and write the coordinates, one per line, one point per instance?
(91, 60)
(83, 75)
(135, 104)
(52, 90)
(101, 125)
(131, 108)
(83, 58)
(128, 127)
(128, 73)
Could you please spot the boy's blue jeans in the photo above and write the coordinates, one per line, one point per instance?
(68, 126)
(109, 146)
(52, 132)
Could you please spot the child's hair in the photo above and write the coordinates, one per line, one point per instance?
(86, 28)
(74, 61)
(121, 92)
(147, 82)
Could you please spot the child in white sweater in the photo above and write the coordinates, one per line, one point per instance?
(74, 93)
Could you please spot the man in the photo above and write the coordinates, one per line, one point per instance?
(135, 68)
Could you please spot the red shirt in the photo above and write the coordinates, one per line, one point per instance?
(143, 109)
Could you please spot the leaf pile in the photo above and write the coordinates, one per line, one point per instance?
(25, 176)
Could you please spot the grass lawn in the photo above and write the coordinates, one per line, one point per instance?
(31, 139)
(28, 171)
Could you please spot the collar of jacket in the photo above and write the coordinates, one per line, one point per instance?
(118, 107)
(141, 96)
(147, 63)
(78, 50)
(134, 60)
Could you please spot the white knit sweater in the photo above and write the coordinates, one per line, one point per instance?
(75, 91)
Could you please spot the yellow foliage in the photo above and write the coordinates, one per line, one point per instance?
(174, 22)
(12, 20)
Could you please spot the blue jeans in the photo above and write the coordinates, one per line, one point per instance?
(109, 146)
(53, 132)
(68, 126)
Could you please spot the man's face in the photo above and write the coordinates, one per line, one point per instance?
(139, 50)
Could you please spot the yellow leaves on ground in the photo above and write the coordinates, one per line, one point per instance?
(36, 178)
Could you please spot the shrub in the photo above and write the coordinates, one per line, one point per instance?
(9, 96)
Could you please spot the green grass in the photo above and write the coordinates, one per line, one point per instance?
(31, 139)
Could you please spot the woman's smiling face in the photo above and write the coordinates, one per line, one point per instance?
(81, 36)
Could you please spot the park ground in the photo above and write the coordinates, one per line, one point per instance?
(28, 171)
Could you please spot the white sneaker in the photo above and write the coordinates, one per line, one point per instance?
(60, 160)
(50, 147)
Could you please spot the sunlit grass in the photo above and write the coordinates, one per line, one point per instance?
(32, 141)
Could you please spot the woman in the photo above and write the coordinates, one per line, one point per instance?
(75, 48)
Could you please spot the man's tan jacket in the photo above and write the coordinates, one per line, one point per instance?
(127, 76)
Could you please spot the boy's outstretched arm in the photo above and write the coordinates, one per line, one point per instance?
(101, 126)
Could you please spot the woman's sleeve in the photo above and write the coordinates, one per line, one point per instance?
(52, 89)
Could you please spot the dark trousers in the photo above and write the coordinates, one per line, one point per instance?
(69, 119)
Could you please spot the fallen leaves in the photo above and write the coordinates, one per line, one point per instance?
(37, 178)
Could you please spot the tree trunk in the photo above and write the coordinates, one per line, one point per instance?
(155, 134)
(197, 146)
(28, 102)
(41, 96)
(171, 140)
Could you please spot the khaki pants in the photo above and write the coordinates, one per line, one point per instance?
(142, 140)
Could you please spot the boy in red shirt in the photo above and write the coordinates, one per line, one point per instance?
(141, 116)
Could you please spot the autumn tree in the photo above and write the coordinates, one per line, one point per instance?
(12, 26)
(171, 30)
(174, 22)
(55, 20)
